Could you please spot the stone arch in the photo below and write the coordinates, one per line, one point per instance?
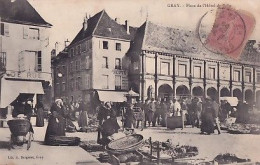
(238, 93)
(212, 93)
(224, 92)
(165, 92)
(197, 91)
(249, 97)
(182, 91)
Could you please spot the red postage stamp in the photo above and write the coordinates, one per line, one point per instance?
(230, 31)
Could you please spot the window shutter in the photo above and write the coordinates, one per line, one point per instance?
(21, 62)
(6, 29)
(2, 28)
(25, 32)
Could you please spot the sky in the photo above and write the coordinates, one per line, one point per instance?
(67, 16)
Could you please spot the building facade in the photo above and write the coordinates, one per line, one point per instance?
(24, 52)
(92, 65)
(155, 61)
(168, 62)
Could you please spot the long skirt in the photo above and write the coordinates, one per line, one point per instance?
(83, 119)
(55, 128)
(40, 118)
(207, 124)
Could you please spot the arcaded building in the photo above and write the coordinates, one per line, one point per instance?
(166, 62)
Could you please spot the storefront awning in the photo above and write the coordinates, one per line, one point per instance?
(112, 96)
(11, 89)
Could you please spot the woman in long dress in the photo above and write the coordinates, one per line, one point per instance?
(207, 118)
(83, 116)
(40, 114)
(56, 125)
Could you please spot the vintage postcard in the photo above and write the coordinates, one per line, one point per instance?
(129, 82)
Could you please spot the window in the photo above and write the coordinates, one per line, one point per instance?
(34, 34)
(87, 81)
(72, 84)
(78, 49)
(2, 60)
(4, 29)
(71, 65)
(118, 63)
(83, 47)
(150, 65)
(39, 61)
(212, 73)
(248, 76)
(182, 70)
(87, 62)
(77, 65)
(236, 76)
(258, 77)
(105, 81)
(165, 68)
(118, 82)
(63, 88)
(105, 62)
(105, 44)
(78, 80)
(118, 46)
(197, 72)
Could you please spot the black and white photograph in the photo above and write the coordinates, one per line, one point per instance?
(111, 82)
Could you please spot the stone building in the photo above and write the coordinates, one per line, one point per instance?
(24, 53)
(170, 62)
(106, 59)
(91, 66)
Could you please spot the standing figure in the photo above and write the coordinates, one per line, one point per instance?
(83, 115)
(216, 114)
(157, 113)
(176, 108)
(129, 116)
(164, 111)
(40, 113)
(207, 118)
(56, 125)
(146, 112)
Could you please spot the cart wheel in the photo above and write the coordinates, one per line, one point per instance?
(29, 141)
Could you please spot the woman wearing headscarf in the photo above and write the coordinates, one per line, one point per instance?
(56, 125)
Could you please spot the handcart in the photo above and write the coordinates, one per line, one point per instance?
(19, 128)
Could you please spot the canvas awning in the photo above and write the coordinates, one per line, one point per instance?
(10, 89)
(113, 96)
(233, 101)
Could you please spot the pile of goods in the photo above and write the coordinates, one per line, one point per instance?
(239, 128)
(167, 149)
(91, 146)
(229, 158)
(92, 125)
(126, 157)
(63, 141)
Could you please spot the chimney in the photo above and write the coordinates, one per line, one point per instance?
(117, 20)
(127, 26)
(67, 42)
(85, 23)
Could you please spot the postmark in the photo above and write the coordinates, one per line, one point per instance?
(225, 31)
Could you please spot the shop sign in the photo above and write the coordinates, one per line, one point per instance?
(120, 72)
(23, 75)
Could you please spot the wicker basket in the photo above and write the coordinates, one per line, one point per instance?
(125, 144)
(19, 127)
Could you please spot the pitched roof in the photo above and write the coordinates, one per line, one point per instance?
(153, 37)
(102, 25)
(20, 11)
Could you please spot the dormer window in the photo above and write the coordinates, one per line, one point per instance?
(105, 44)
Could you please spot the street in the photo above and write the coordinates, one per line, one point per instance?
(244, 146)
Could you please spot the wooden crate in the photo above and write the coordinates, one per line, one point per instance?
(174, 122)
